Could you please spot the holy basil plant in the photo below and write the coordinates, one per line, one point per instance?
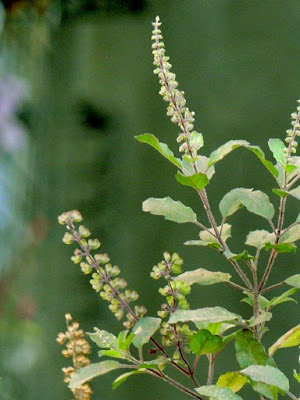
(178, 336)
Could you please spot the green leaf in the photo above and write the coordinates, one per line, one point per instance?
(241, 256)
(202, 243)
(204, 342)
(225, 149)
(209, 238)
(203, 277)
(144, 329)
(297, 377)
(256, 202)
(103, 339)
(162, 148)
(263, 303)
(250, 351)
(289, 339)
(197, 181)
(277, 147)
(259, 238)
(91, 371)
(280, 193)
(290, 168)
(293, 280)
(284, 297)
(125, 340)
(263, 317)
(292, 235)
(282, 247)
(209, 314)
(201, 165)
(269, 392)
(295, 192)
(122, 378)
(112, 353)
(233, 380)
(260, 154)
(170, 209)
(218, 393)
(269, 375)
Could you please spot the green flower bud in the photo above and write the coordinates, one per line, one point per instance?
(85, 268)
(94, 244)
(102, 258)
(83, 231)
(68, 238)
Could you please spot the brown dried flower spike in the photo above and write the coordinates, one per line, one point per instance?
(78, 348)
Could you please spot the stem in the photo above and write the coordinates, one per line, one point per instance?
(211, 367)
(291, 395)
(268, 289)
(197, 358)
(233, 284)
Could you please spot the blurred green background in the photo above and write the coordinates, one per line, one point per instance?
(76, 86)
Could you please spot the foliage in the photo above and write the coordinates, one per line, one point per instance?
(180, 336)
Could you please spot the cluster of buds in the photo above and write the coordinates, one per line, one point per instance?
(104, 275)
(78, 348)
(292, 133)
(171, 336)
(175, 293)
(170, 265)
(191, 140)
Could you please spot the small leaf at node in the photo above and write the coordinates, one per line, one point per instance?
(259, 238)
(282, 247)
(197, 181)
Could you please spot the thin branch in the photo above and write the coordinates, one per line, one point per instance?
(268, 289)
(205, 228)
(292, 396)
(243, 289)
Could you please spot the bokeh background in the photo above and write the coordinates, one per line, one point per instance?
(76, 86)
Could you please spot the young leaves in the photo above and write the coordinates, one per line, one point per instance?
(162, 148)
(204, 342)
(256, 202)
(144, 329)
(209, 239)
(289, 339)
(203, 277)
(172, 210)
(207, 314)
(196, 181)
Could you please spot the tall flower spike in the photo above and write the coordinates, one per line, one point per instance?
(292, 134)
(191, 140)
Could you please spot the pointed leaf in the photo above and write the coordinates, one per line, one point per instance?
(260, 154)
(122, 378)
(259, 238)
(103, 339)
(204, 342)
(197, 181)
(277, 147)
(250, 351)
(280, 193)
(209, 314)
(112, 353)
(125, 340)
(202, 243)
(91, 371)
(162, 148)
(269, 375)
(233, 380)
(144, 329)
(218, 393)
(225, 149)
(293, 280)
(203, 277)
(170, 209)
(284, 297)
(289, 339)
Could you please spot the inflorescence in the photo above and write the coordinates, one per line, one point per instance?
(292, 134)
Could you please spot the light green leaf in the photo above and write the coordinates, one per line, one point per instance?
(233, 380)
(284, 297)
(292, 235)
(218, 393)
(225, 149)
(125, 340)
(91, 371)
(259, 238)
(112, 353)
(209, 238)
(197, 181)
(209, 314)
(280, 193)
(144, 329)
(204, 342)
(269, 392)
(162, 148)
(103, 339)
(203, 277)
(202, 243)
(170, 209)
(263, 303)
(269, 375)
(277, 147)
(263, 317)
(282, 247)
(201, 166)
(256, 202)
(293, 280)
(249, 351)
(260, 154)
(289, 339)
(295, 192)
(216, 328)
(122, 378)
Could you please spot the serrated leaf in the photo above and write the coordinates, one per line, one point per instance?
(208, 237)
(269, 375)
(203, 277)
(263, 317)
(122, 378)
(255, 201)
(282, 247)
(284, 297)
(91, 371)
(277, 147)
(196, 181)
(144, 329)
(291, 236)
(162, 148)
(208, 314)
(103, 339)
(249, 351)
(293, 280)
(259, 238)
(204, 342)
(233, 380)
(172, 210)
(225, 149)
(289, 339)
(218, 393)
